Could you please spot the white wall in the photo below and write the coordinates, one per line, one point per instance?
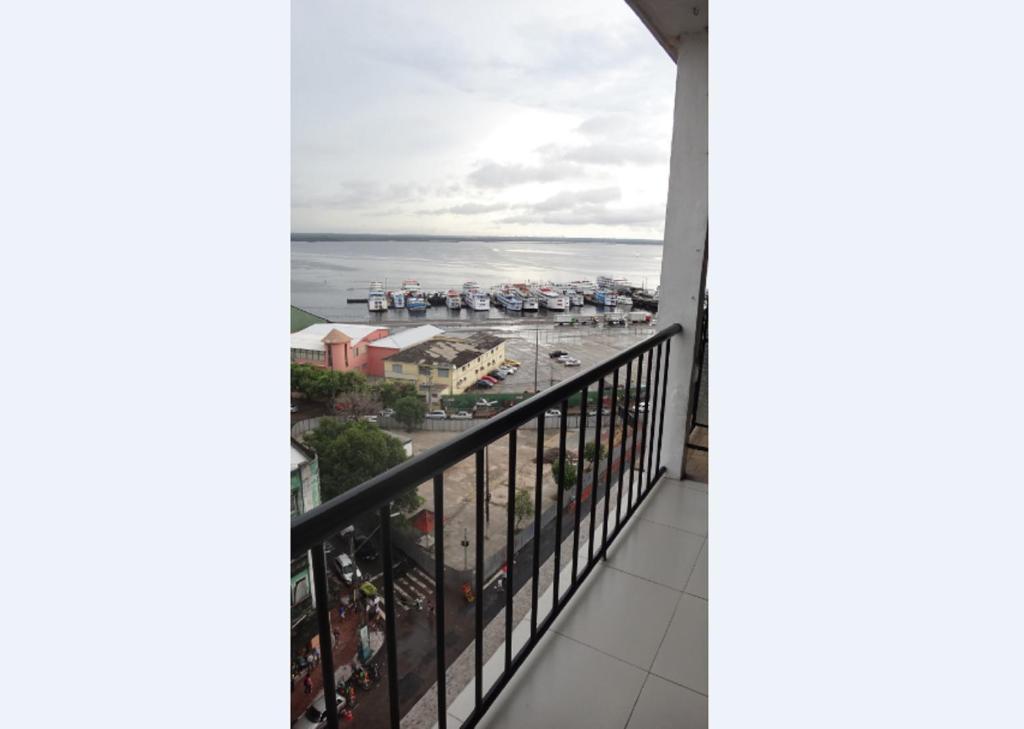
(686, 220)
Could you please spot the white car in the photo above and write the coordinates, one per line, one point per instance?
(436, 415)
(295, 408)
(570, 362)
(347, 569)
(553, 414)
(370, 419)
(387, 413)
(462, 415)
(315, 717)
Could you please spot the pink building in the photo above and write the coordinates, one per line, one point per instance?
(341, 347)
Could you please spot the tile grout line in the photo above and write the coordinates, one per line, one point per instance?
(636, 700)
(603, 653)
(690, 576)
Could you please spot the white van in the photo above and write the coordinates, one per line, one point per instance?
(347, 569)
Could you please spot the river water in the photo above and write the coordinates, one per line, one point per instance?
(326, 273)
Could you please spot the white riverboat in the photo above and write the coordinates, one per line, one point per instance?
(550, 299)
(376, 299)
(452, 300)
(474, 298)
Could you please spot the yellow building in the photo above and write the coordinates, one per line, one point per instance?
(446, 365)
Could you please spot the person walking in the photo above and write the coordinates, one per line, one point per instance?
(307, 685)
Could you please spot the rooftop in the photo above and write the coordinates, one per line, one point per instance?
(447, 350)
(312, 337)
(408, 337)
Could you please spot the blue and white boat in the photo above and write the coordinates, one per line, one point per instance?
(508, 299)
(397, 299)
(604, 297)
(415, 303)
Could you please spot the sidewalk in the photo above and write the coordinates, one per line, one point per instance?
(344, 653)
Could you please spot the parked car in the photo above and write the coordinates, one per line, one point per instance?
(513, 362)
(370, 419)
(492, 380)
(295, 408)
(497, 373)
(315, 717)
(486, 384)
(553, 414)
(436, 415)
(387, 413)
(558, 353)
(570, 362)
(462, 415)
(365, 549)
(347, 569)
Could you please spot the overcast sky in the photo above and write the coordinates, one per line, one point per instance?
(499, 118)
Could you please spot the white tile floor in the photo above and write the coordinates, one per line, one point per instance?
(630, 650)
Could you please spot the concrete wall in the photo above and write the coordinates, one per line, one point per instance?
(684, 257)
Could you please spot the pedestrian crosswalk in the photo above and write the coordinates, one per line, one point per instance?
(414, 584)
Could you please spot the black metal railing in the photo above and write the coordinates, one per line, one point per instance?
(642, 414)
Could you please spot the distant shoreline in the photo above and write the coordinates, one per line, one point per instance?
(340, 237)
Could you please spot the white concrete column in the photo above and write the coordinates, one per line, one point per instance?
(686, 219)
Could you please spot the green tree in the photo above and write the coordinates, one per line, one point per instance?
(390, 392)
(593, 451)
(523, 506)
(409, 411)
(568, 478)
(352, 452)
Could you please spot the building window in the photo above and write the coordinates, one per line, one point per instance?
(296, 502)
(442, 371)
(396, 369)
(425, 371)
(300, 588)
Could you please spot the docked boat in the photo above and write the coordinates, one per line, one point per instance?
(508, 299)
(575, 297)
(551, 299)
(452, 300)
(614, 284)
(530, 301)
(584, 286)
(622, 299)
(376, 300)
(396, 299)
(415, 302)
(474, 298)
(604, 297)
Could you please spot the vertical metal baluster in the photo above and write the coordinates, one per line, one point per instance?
(559, 489)
(389, 613)
(641, 492)
(479, 579)
(323, 618)
(622, 448)
(636, 429)
(653, 417)
(510, 547)
(611, 456)
(597, 469)
(442, 712)
(536, 525)
(580, 460)
(664, 397)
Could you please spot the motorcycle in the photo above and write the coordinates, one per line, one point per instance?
(467, 592)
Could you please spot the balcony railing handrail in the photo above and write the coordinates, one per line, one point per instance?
(321, 522)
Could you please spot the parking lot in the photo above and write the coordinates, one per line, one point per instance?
(533, 345)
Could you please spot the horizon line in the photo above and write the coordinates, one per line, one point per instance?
(454, 236)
